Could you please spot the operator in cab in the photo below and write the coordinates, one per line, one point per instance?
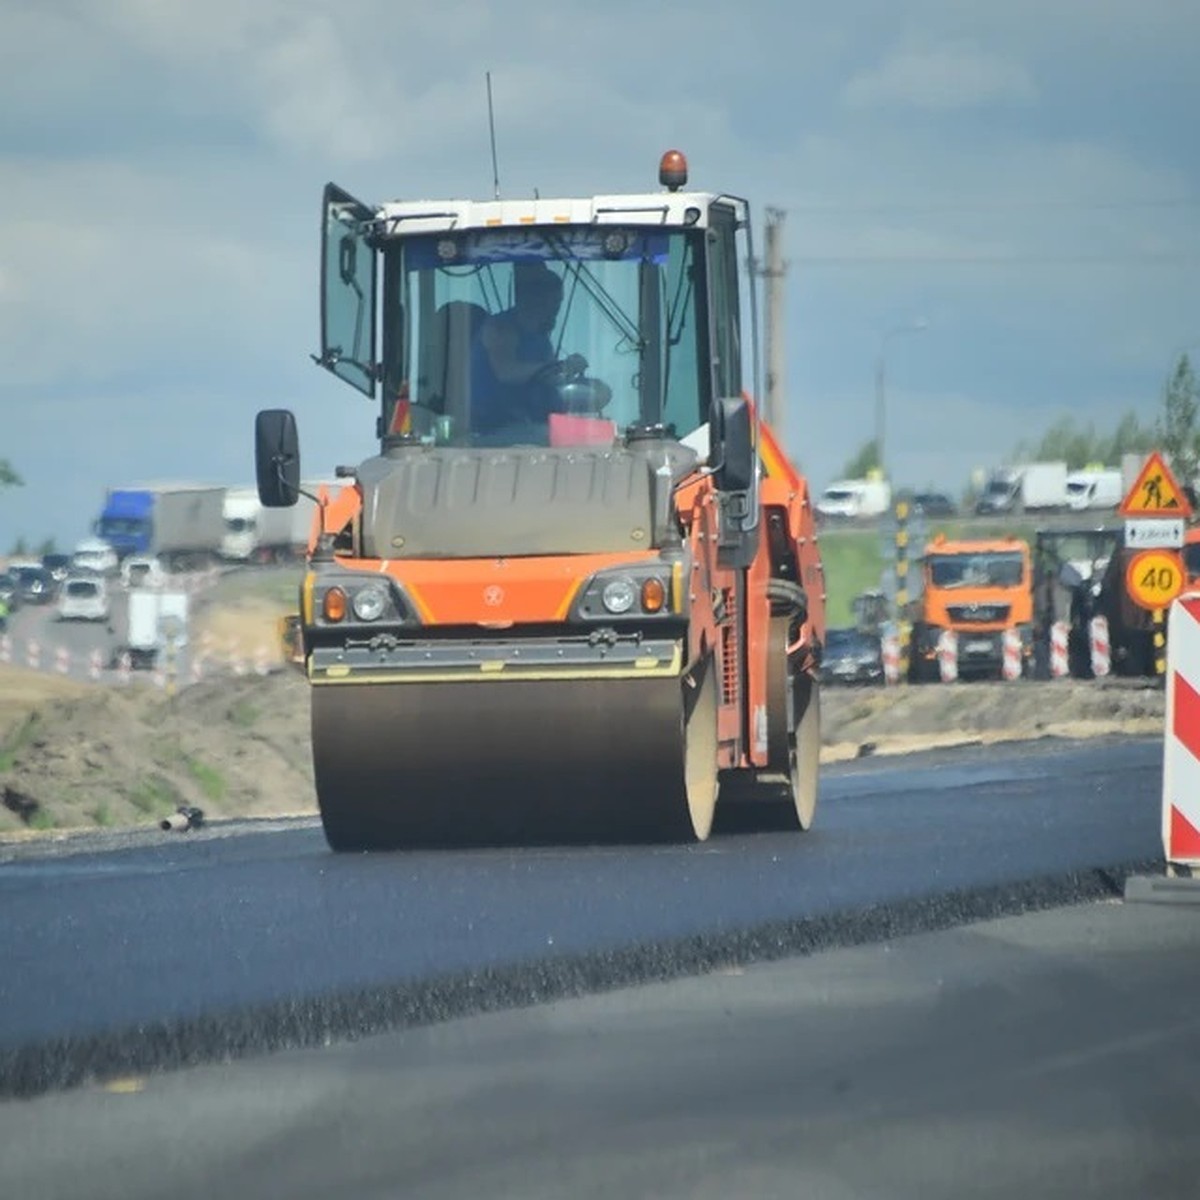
(514, 371)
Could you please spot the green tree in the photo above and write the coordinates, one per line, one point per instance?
(1177, 426)
(1078, 447)
(48, 546)
(8, 476)
(867, 459)
(20, 549)
(1129, 437)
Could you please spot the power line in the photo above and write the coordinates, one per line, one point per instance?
(999, 260)
(1002, 206)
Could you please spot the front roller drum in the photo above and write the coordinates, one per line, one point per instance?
(515, 762)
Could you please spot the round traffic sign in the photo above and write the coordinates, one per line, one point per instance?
(1154, 578)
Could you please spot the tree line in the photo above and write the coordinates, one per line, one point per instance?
(1175, 430)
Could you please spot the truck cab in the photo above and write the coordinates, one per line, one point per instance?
(978, 589)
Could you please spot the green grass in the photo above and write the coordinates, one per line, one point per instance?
(154, 795)
(243, 714)
(21, 737)
(101, 815)
(211, 781)
(41, 819)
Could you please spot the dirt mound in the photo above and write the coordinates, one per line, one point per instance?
(107, 756)
(905, 718)
(76, 755)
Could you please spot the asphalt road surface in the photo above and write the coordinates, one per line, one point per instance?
(188, 946)
(1049, 1055)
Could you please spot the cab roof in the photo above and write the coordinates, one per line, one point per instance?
(683, 210)
(977, 546)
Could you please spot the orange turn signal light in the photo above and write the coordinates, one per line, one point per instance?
(654, 595)
(333, 605)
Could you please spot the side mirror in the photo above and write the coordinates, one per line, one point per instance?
(277, 458)
(731, 438)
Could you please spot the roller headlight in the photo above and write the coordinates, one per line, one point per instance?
(618, 595)
(369, 602)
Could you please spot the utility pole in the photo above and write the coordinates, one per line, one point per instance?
(773, 272)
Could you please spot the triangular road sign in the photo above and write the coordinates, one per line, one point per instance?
(1155, 492)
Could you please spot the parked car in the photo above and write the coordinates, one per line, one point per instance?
(934, 504)
(140, 571)
(84, 598)
(59, 565)
(92, 554)
(10, 591)
(851, 656)
(36, 585)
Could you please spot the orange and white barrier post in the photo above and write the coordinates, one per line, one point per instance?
(1181, 741)
(124, 667)
(1060, 662)
(1010, 664)
(62, 660)
(889, 650)
(5, 649)
(1101, 651)
(95, 665)
(947, 655)
(33, 654)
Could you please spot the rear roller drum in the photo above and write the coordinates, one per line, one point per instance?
(793, 723)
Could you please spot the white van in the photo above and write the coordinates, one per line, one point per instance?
(1093, 488)
(851, 498)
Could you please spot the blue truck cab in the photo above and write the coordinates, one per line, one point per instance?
(127, 522)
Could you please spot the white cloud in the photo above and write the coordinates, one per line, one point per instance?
(941, 77)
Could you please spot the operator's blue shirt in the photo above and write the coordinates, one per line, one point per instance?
(496, 403)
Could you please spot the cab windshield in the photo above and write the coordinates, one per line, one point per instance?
(998, 569)
(543, 336)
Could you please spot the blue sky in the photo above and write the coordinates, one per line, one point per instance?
(1024, 176)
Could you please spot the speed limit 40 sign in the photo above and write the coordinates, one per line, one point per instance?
(1154, 578)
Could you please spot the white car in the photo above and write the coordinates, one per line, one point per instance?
(94, 555)
(84, 599)
(139, 572)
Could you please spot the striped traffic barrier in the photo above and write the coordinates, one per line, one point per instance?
(1060, 662)
(889, 649)
(1010, 664)
(947, 655)
(33, 654)
(62, 660)
(1100, 649)
(124, 667)
(5, 649)
(95, 665)
(1181, 740)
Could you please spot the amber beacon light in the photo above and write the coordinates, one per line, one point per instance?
(672, 170)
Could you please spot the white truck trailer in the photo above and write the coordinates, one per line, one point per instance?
(1025, 487)
(254, 533)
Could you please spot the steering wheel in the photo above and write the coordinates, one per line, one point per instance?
(560, 370)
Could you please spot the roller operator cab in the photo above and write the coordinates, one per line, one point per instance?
(577, 593)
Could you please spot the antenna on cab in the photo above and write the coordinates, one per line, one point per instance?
(492, 131)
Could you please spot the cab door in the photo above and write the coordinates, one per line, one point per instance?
(348, 274)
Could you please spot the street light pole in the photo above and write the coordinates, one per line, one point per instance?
(916, 326)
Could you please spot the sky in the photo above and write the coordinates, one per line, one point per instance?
(1022, 178)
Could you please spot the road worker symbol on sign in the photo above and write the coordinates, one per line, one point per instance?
(1154, 578)
(1155, 492)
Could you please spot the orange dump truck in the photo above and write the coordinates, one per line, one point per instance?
(979, 589)
(576, 591)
